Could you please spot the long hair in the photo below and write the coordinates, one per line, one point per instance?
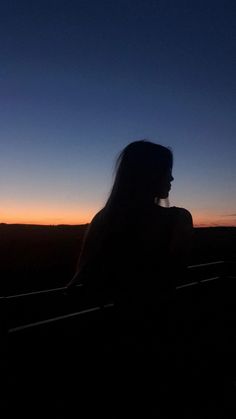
(140, 168)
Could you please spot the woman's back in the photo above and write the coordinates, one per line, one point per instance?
(134, 247)
(131, 253)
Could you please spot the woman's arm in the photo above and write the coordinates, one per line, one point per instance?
(89, 250)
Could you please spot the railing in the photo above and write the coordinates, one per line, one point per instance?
(190, 268)
(59, 318)
(51, 356)
(53, 305)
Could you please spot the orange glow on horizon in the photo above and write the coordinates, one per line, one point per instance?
(57, 213)
(207, 219)
(46, 221)
(84, 219)
(47, 216)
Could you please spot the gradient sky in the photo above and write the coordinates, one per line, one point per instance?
(81, 79)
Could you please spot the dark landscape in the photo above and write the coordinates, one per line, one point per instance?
(48, 353)
(35, 257)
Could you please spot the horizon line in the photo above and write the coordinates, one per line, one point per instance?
(200, 225)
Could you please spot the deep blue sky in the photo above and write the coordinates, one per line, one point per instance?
(81, 79)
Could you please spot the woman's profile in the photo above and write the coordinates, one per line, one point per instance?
(134, 247)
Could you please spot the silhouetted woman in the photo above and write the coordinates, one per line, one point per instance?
(132, 254)
(135, 248)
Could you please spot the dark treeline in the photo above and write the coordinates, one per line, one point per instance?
(37, 257)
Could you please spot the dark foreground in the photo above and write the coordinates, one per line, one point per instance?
(70, 356)
(40, 257)
(88, 359)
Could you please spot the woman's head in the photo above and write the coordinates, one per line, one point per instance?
(143, 173)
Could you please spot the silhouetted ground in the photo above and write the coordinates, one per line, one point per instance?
(214, 243)
(36, 257)
(73, 368)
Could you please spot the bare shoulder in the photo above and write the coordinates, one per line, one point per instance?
(178, 217)
(183, 216)
(96, 221)
(93, 229)
(97, 217)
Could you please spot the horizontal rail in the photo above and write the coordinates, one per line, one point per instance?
(55, 319)
(189, 284)
(66, 316)
(210, 279)
(61, 289)
(27, 294)
(47, 291)
(205, 264)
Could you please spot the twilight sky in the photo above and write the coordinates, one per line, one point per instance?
(80, 79)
